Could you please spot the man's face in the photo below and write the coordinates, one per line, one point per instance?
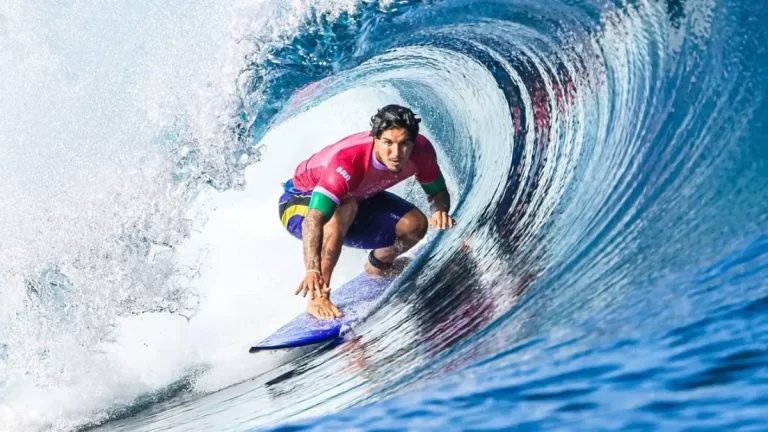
(393, 148)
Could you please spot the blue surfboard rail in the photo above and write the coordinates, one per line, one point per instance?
(356, 299)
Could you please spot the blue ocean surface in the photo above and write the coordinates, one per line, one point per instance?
(609, 268)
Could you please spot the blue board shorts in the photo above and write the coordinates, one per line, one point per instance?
(374, 224)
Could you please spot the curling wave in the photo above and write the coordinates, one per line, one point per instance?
(608, 184)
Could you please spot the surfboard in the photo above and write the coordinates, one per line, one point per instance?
(356, 299)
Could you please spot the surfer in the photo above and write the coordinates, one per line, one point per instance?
(338, 197)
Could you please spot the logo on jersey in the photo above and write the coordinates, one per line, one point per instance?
(343, 173)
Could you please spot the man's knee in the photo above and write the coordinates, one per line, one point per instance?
(412, 225)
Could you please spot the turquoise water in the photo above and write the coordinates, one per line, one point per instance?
(608, 270)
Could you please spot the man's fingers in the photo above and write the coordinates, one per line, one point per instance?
(449, 221)
(441, 220)
(317, 288)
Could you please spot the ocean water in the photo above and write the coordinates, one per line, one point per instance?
(608, 167)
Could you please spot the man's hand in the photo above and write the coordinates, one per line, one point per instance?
(441, 220)
(314, 284)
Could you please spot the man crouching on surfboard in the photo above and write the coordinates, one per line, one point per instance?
(338, 197)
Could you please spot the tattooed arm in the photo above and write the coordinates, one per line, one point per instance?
(322, 241)
(312, 233)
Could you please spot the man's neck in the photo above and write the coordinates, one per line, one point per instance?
(376, 162)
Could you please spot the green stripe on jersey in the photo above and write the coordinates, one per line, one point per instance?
(322, 203)
(435, 187)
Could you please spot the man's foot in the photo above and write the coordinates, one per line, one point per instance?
(398, 266)
(322, 308)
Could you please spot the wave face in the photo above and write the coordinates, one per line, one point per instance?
(608, 174)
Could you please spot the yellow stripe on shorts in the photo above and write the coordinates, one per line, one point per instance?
(292, 211)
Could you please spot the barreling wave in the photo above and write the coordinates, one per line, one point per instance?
(600, 157)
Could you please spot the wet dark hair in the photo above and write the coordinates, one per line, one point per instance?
(395, 116)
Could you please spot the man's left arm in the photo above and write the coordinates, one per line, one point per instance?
(440, 204)
(432, 181)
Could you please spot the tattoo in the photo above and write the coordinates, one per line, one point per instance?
(332, 241)
(312, 233)
(329, 248)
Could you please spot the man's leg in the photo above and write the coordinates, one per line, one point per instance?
(390, 226)
(409, 230)
(334, 232)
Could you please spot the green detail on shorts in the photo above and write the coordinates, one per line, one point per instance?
(435, 187)
(322, 203)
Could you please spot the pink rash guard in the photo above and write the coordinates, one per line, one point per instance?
(349, 168)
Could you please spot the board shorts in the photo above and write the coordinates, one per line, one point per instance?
(374, 224)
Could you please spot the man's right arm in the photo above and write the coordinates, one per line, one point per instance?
(312, 234)
(322, 205)
(335, 183)
(319, 212)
